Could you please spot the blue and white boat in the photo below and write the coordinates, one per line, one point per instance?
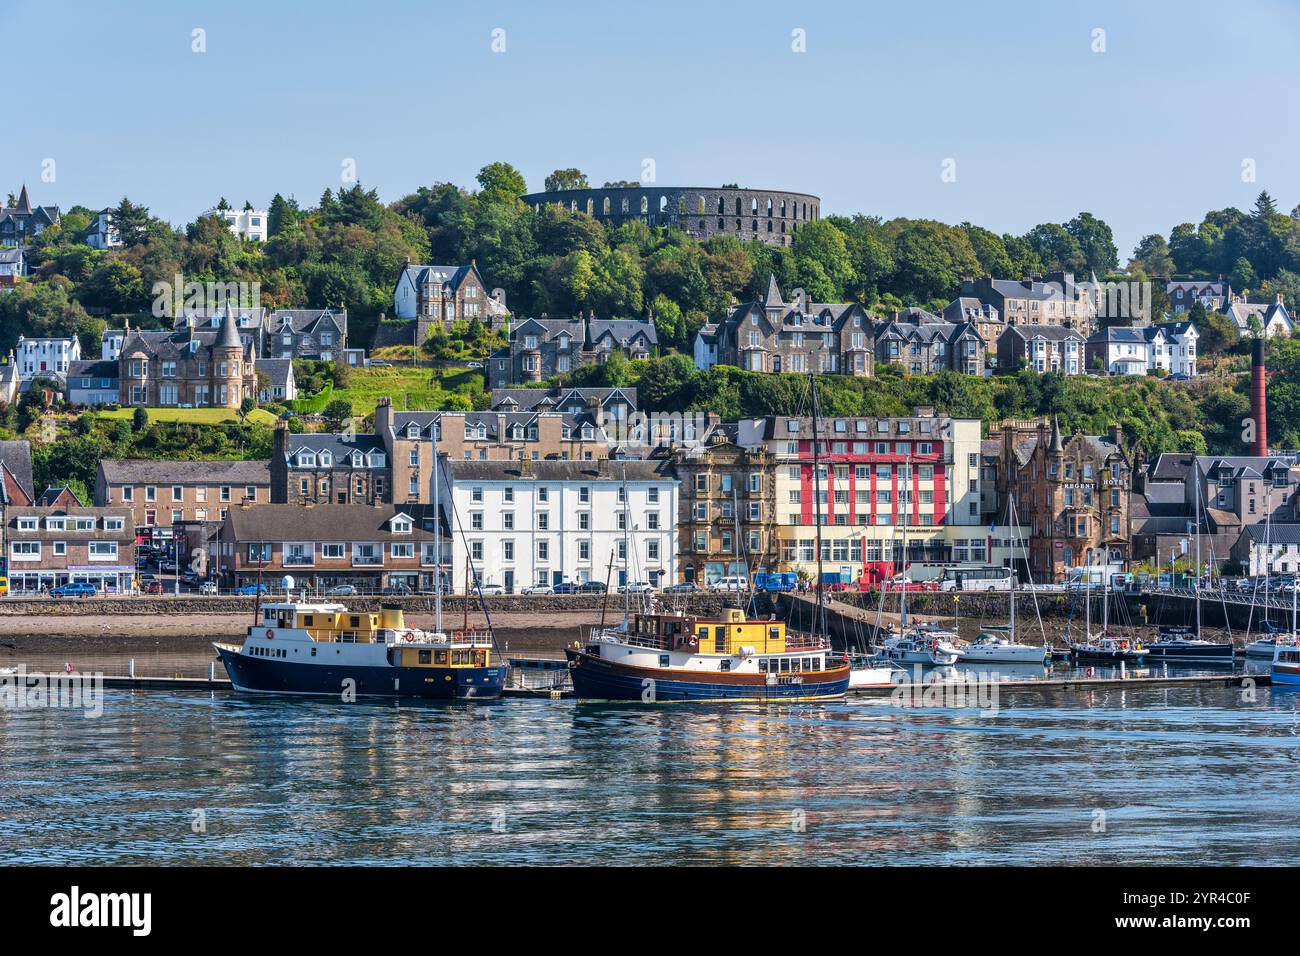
(324, 649)
(1285, 668)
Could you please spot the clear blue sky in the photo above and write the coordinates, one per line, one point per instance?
(1148, 134)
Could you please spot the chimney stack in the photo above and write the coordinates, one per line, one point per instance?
(1258, 406)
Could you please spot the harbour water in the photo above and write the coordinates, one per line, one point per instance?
(1148, 775)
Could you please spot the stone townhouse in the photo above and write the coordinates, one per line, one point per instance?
(315, 334)
(1221, 495)
(928, 346)
(1184, 293)
(726, 518)
(988, 322)
(527, 523)
(23, 222)
(883, 482)
(1071, 495)
(56, 544)
(1043, 348)
(161, 493)
(430, 296)
(1052, 299)
(250, 323)
(772, 335)
(186, 367)
(323, 546)
(329, 468)
(538, 349)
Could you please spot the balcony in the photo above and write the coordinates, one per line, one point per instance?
(367, 560)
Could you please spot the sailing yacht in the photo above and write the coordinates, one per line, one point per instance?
(1265, 648)
(998, 645)
(1101, 647)
(1285, 668)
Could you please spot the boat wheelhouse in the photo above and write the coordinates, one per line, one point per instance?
(327, 649)
(679, 657)
(1285, 668)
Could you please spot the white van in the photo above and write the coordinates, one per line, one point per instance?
(731, 583)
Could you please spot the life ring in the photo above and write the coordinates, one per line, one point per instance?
(409, 637)
(693, 641)
(270, 633)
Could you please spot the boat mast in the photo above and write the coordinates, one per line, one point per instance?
(902, 594)
(437, 538)
(819, 623)
(627, 552)
(1197, 478)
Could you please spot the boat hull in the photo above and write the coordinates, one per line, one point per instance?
(255, 675)
(1106, 656)
(1196, 653)
(1287, 675)
(595, 678)
(1022, 654)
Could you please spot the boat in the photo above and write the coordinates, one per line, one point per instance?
(1102, 648)
(663, 657)
(874, 672)
(1111, 650)
(919, 647)
(323, 648)
(303, 647)
(1285, 669)
(1182, 644)
(998, 646)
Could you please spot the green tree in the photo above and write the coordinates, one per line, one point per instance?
(566, 179)
(501, 181)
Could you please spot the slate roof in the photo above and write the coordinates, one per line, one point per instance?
(277, 370)
(346, 523)
(308, 321)
(339, 445)
(603, 469)
(545, 399)
(1052, 333)
(16, 456)
(132, 471)
(95, 368)
(1284, 534)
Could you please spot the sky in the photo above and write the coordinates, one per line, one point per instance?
(1145, 125)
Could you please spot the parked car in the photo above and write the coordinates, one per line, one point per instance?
(208, 587)
(538, 589)
(250, 589)
(473, 364)
(564, 587)
(592, 587)
(398, 589)
(732, 582)
(168, 566)
(341, 590)
(635, 587)
(685, 587)
(73, 589)
(380, 363)
(490, 589)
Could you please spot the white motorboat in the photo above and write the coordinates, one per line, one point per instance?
(874, 672)
(919, 647)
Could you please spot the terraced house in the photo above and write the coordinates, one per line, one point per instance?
(538, 349)
(930, 345)
(772, 335)
(322, 546)
(160, 493)
(329, 468)
(1043, 348)
(726, 520)
(57, 544)
(1052, 299)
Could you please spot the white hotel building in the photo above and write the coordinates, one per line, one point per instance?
(524, 522)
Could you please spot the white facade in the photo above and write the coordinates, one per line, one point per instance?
(102, 234)
(245, 223)
(532, 529)
(45, 356)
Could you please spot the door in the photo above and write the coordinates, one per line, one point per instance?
(509, 581)
(557, 577)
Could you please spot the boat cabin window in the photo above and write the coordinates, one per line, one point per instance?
(440, 657)
(307, 620)
(704, 632)
(724, 665)
(774, 633)
(426, 657)
(762, 665)
(355, 620)
(663, 660)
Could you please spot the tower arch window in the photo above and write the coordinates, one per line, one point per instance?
(624, 205)
(605, 206)
(645, 205)
(769, 209)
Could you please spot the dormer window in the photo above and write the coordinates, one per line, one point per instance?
(378, 459)
(306, 459)
(357, 459)
(412, 430)
(400, 524)
(326, 459)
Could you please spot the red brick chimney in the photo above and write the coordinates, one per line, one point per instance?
(1258, 403)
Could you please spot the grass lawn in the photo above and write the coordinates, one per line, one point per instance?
(192, 416)
(409, 388)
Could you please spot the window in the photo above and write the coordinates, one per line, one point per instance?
(543, 521)
(225, 492)
(332, 551)
(403, 549)
(543, 550)
(507, 550)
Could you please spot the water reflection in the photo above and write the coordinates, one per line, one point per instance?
(1183, 775)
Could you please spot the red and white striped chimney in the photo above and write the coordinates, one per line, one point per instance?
(1258, 399)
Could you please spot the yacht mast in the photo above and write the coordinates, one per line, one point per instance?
(627, 552)
(902, 594)
(1197, 478)
(819, 623)
(437, 539)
